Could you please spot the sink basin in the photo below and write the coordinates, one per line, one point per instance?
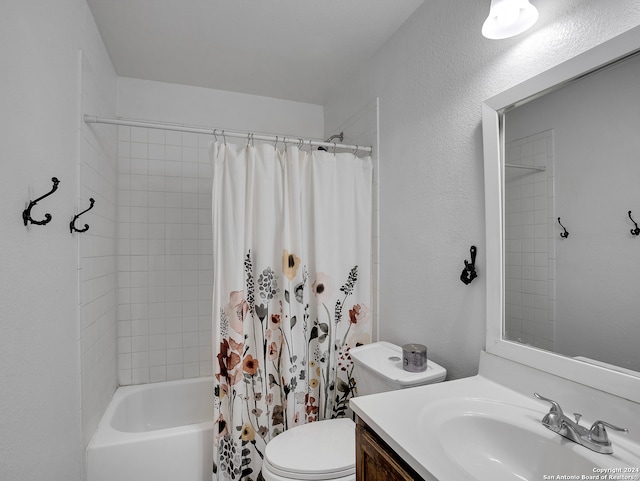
(498, 441)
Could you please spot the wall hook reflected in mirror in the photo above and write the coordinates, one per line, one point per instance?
(635, 231)
(72, 224)
(564, 234)
(469, 272)
(26, 214)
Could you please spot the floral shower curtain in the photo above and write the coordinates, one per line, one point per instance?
(292, 254)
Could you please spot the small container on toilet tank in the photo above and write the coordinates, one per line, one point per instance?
(414, 357)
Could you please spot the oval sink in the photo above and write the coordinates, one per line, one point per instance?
(498, 441)
(493, 449)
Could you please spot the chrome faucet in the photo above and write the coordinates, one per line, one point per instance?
(595, 438)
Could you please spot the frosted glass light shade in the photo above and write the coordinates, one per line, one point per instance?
(508, 18)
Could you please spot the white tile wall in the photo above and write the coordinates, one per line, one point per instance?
(98, 163)
(529, 247)
(165, 270)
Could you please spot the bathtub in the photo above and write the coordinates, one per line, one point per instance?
(161, 431)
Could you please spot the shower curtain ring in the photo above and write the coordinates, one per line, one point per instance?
(215, 137)
(224, 137)
(334, 147)
(355, 152)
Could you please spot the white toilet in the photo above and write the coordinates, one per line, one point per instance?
(325, 450)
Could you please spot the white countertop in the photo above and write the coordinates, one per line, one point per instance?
(407, 420)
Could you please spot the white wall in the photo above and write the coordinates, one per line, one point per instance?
(40, 333)
(165, 269)
(431, 78)
(596, 123)
(163, 102)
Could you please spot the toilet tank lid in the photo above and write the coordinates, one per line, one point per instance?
(385, 359)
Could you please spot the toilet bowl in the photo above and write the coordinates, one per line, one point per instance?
(326, 450)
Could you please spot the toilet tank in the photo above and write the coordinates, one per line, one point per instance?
(378, 368)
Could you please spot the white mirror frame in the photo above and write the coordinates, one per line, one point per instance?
(611, 381)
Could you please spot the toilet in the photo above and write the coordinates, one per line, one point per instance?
(325, 450)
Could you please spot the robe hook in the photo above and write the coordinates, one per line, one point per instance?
(635, 231)
(72, 224)
(26, 214)
(469, 272)
(564, 234)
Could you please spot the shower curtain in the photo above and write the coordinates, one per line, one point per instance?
(292, 254)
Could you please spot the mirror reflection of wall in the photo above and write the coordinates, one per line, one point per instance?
(529, 248)
(578, 296)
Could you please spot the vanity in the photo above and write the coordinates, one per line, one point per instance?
(376, 460)
(488, 428)
(550, 401)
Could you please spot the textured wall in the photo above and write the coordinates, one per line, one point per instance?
(40, 333)
(431, 78)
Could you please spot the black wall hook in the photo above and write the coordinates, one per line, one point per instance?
(635, 231)
(72, 224)
(469, 272)
(564, 234)
(26, 214)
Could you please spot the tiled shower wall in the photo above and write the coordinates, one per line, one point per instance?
(98, 175)
(530, 242)
(165, 270)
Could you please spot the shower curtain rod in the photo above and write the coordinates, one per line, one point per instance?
(92, 119)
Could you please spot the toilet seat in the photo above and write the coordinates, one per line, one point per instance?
(322, 450)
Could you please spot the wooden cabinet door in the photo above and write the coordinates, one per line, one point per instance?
(376, 461)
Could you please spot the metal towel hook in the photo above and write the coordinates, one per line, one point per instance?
(564, 234)
(26, 214)
(72, 224)
(469, 272)
(635, 231)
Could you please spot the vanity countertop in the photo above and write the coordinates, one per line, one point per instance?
(413, 422)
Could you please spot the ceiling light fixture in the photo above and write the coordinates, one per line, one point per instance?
(508, 18)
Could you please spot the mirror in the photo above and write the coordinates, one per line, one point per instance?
(565, 144)
(574, 154)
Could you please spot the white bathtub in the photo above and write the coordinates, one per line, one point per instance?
(161, 431)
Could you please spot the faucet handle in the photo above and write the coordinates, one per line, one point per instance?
(555, 407)
(577, 416)
(598, 433)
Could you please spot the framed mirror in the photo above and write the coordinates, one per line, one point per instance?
(567, 304)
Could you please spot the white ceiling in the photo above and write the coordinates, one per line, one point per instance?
(288, 49)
